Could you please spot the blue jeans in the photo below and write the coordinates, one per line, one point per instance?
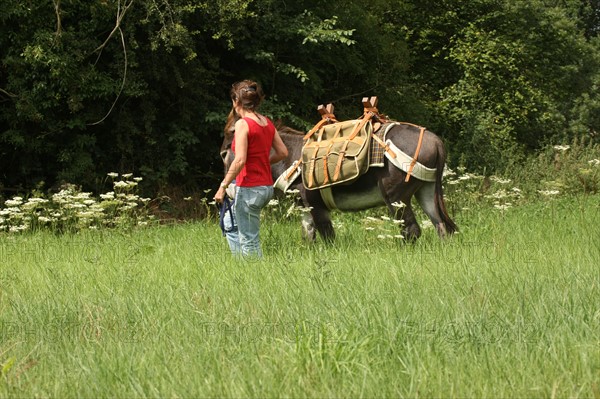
(243, 232)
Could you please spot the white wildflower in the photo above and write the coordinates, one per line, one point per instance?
(35, 200)
(273, 202)
(16, 201)
(86, 214)
(549, 192)
(17, 229)
(386, 218)
(82, 196)
(398, 204)
(448, 172)
(10, 211)
(108, 196)
(74, 206)
(498, 194)
(113, 174)
(138, 179)
(500, 180)
(120, 184)
(127, 175)
(562, 147)
(188, 199)
(290, 210)
(594, 162)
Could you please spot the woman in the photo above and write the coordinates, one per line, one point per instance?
(254, 137)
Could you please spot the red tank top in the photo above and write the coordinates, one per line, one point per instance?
(257, 171)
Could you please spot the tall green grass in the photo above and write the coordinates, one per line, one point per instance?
(509, 307)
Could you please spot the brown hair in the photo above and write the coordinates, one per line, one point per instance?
(248, 92)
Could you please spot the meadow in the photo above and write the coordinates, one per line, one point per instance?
(509, 307)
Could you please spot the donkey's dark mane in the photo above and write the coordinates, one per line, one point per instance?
(283, 129)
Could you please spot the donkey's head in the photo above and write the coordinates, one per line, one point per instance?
(226, 152)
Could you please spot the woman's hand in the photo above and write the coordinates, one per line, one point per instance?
(220, 195)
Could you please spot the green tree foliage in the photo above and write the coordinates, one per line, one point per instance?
(514, 75)
(88, 87)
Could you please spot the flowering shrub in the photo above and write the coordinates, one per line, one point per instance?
(556, 171)
(71, 209)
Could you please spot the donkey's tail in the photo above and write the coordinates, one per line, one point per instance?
(440, 205)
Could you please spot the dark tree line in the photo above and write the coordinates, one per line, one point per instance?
(93, 86)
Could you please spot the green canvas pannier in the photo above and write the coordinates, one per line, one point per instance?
(336, 153)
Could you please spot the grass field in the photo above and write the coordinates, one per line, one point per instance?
(510, 307)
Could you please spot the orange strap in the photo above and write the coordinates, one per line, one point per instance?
(313, 161)
(384, 145)
(318, 126)
(367, 117)
(341, 154)
(289, 175)
(414, 160)
(328, 118)
(325, 170)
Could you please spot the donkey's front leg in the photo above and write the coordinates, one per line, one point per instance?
(309, 232)
(411, 230)
(320, 214)
(322, 221)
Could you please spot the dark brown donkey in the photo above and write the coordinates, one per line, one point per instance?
(379, 186)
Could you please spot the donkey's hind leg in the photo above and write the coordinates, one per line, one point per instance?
(426, 198)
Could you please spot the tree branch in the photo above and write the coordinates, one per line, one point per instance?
(8, 94)
(122, 82)
(120, 15)
(58, 19)
(117, 28)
